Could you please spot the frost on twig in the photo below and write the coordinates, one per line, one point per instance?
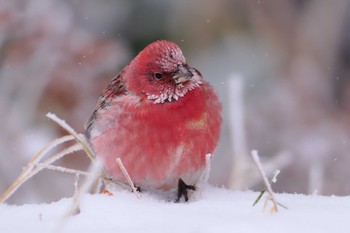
(74, 208)
(62, 169)
(36, 164)
(272, 197)
(94, 171)
(272, 179)
(79, 137)
(202, 182)
(30, 169)
(206, 172)
(127, 177)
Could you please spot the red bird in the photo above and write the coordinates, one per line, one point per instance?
(160, 117)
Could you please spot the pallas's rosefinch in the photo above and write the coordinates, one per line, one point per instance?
(160, 117)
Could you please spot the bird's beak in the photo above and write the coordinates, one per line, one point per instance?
(182, 74)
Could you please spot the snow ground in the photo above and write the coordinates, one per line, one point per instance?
(216, 210)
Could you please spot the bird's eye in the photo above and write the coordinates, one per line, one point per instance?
(158, 75)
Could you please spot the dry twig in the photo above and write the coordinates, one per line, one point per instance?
(204, 177)
(272, 179)
(35, 165)
(62, 169)
(127, 176)
(256, 159)
(30, 170)
(74, 207)
(79, 137)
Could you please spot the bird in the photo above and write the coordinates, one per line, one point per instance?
(160, 117)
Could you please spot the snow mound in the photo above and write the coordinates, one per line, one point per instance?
(215, 210)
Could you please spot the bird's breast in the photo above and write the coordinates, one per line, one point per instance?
(159, 143)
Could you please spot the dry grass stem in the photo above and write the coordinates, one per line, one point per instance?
(206, 172)
(98, 184)
(273, 179)
(38, 156)
(79, 137)
(74, 207)
(29, 170)
(278, 203)
(62, 169)
(256, 159)
(126, 174)
(35, 165)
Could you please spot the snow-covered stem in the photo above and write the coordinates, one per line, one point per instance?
(206, 171)
(278, 203)
(97, 185)
(62, 169)
(273, 179)
(127, 176)
(76, 196)
(29, 170)
(274, 176)
(61, 154)
(76, 185)
(79, 137)
(94, 171)
(74, 207)
(256, 159)
(47, 148)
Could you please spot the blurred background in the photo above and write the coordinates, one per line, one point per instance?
(281, 68)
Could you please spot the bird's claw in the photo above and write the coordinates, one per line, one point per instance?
(182, 190)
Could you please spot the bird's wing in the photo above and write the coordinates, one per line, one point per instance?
(115, 89)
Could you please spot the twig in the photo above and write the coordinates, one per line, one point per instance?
(76, 211)
(79, 137)
(74, 207)
(278, 203)
(62, 169)
(96, 186)
(272, 179)
(38, 156)
(206, 171)
(34, 166)
(126, 174)
(256, 159)
(260, 195)
(30, 171)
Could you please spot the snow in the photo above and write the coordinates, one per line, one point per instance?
(213, 210)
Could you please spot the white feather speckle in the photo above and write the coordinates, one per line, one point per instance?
(170, 94)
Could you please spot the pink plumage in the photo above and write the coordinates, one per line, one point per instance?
(160, 117)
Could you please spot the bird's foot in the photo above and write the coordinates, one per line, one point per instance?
(138, 189)
(182, 190)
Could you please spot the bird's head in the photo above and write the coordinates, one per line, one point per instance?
(160, 73)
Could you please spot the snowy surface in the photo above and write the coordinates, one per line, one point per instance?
(216, 210)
